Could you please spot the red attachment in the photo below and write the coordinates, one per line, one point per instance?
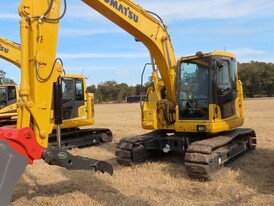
(23, 141)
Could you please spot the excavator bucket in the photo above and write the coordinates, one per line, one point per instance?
(12, 166)
(18, 148)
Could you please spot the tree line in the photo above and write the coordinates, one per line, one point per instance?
(4, 79)
(257, 79)
(111, 91)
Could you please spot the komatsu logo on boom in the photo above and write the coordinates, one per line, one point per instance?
(124, 10)
(4, 49)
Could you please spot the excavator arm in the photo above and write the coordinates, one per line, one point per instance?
(39, 33)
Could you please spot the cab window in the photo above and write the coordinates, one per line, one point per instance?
(79, 90)
(11, 93)
(67, 91)
(223, 79)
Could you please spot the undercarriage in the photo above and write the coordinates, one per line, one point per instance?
(206, 155)
(76, 137)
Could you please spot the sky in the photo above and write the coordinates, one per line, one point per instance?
(90, 44)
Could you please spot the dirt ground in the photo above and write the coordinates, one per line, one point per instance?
(164, 182)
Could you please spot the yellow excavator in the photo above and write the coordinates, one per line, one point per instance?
(77, 106)
(8, 108)
(195, 105)
(77, 110)
(41, 100)
(9, 51)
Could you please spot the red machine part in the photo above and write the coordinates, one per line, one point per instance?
(23, 141)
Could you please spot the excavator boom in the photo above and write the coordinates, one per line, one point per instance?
(10, 51)
(145, 28)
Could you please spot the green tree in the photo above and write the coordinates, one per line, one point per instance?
(140, 89)
(91, 88)
(123, 91)
(108, 91)
(4, 79)
(257, 78)
(132, 90)
(2, 76)
(267, 79)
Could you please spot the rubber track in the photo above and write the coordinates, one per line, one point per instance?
(205, 159)
(8, 122)
(130, 150)
(75, 137)
(208, 159)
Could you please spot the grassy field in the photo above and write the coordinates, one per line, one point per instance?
(164, 182)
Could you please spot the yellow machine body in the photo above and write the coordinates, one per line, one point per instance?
(85, 112)
(160, 112)
(194, 105)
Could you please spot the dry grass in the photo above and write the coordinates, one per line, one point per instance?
(154, 183)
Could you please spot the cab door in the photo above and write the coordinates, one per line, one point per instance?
(226, 91)
(72, 97)
(7, 96)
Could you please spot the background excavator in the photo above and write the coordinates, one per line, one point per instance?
(42, 105)
(195, 104)
(8, 108)
(9, 94)
(77, 106)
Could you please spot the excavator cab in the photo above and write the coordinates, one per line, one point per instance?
(193, 90)
(209, 92)
(73, 97)
(8, 98)
(7, 95)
